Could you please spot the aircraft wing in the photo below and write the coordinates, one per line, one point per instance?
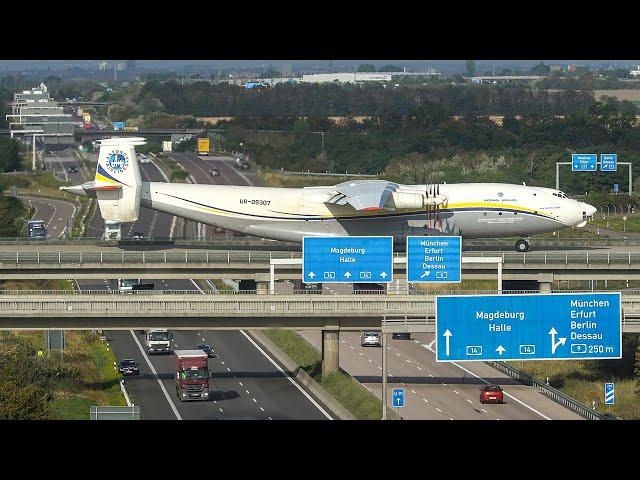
(364, 195)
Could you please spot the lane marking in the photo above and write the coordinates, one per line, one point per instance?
(507, 394)
(425, 400)
(413, 391)
(419, 368)
(155, 374)
(484, 410)
(315, 404)
(468, 400)
(438, 409)
(456, 392)
(261, 409)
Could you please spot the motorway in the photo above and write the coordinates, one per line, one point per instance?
(439, 391)
(246, 382)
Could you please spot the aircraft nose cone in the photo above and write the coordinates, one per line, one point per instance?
(589, 209)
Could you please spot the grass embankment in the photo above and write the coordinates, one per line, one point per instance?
(38, 185)
(582, 381)
(353, 396)
(617, 223)
(90, 377)
(172, 169)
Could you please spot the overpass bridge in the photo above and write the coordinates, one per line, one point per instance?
(89, 262)
(188, 311)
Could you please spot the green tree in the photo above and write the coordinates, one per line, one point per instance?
(9, 154)
(390, 68)
(366, 67)
(541, 69)
(470, 65)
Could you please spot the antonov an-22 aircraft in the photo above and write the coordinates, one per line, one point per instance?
(359, 207)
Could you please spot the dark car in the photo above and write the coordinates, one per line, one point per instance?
(401, 336)
(128, 366)
(242, 164)
(73, 169)
(491, 393)
(138, 234)
(215, 172)
(207, 349)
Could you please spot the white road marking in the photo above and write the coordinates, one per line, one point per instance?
(261, 409)
(269, 418)
(450, 418)
(507, 394)
(484, 410)
(397, 354)
(322, 410)
(438, 409)
(431, 375)
(456, 392)
(469, 400)
(416, 341)
(254, 400)
(425, 400)
(221, 411)
(360, 353)
(413, 391)
(155, 374)
(247, 391)
(408, 361)
(228, 369)
(370, 361)
(419, 368)
(240, 384)
(221, 362)
(379, 368)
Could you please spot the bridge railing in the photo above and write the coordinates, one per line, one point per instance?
(631, 297)
(547, 390)
(264, 257)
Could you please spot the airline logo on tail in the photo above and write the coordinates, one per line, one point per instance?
(117, 162)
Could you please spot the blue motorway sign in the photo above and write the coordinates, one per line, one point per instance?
(434, 259)
(609, 162)
(397, 397)
(571, 326)
(616, 188)
(118, 125)
(609, 393)
(584, 162)
(347, 259)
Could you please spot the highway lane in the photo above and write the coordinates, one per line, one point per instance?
(59, 163)
(54, 212)
(439, 391)
(245, 383)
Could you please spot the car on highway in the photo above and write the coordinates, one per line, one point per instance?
(242, 164)
(491, 393)
(370, 339)
(138, 234)
(73, 169)
(206, 348)
(401, 336)
(143, 158)
(215, 172)
(128, 366)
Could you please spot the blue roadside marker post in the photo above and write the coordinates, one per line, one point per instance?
(434, 259)
(609, 394)
(556, 326)
(347, 259)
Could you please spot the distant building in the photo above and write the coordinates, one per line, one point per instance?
(635, 73)
(571, 67)
(34, 111)
(555, 68)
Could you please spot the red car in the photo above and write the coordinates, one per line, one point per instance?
(491, 393)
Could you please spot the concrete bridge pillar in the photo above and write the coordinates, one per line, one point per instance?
(545, 283)
(330, 351)
(262, 288)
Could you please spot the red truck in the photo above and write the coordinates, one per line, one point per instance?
(191, 371)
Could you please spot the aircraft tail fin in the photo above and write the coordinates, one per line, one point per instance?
(118, 183)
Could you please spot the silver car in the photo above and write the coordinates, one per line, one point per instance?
(370, 339)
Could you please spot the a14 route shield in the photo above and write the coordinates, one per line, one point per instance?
(574, 326)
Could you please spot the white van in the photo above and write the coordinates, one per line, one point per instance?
(112, 230)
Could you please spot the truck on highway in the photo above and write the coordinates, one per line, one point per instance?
(112, 230)
(36, 229)
(158, 341)
(191, 373)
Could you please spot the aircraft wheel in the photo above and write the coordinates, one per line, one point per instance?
(522, 246)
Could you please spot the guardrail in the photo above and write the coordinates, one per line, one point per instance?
(626, 294)
(264, 257)
(554, 394)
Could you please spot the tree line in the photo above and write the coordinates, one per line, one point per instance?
(306, 99)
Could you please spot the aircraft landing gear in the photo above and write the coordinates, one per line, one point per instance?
(522, 246)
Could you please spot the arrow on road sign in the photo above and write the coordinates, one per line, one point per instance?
(555, 344)
(425, 274)
(347, 274)
(311, 275)
(500, 349)
(383, 274)
(447, 334)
